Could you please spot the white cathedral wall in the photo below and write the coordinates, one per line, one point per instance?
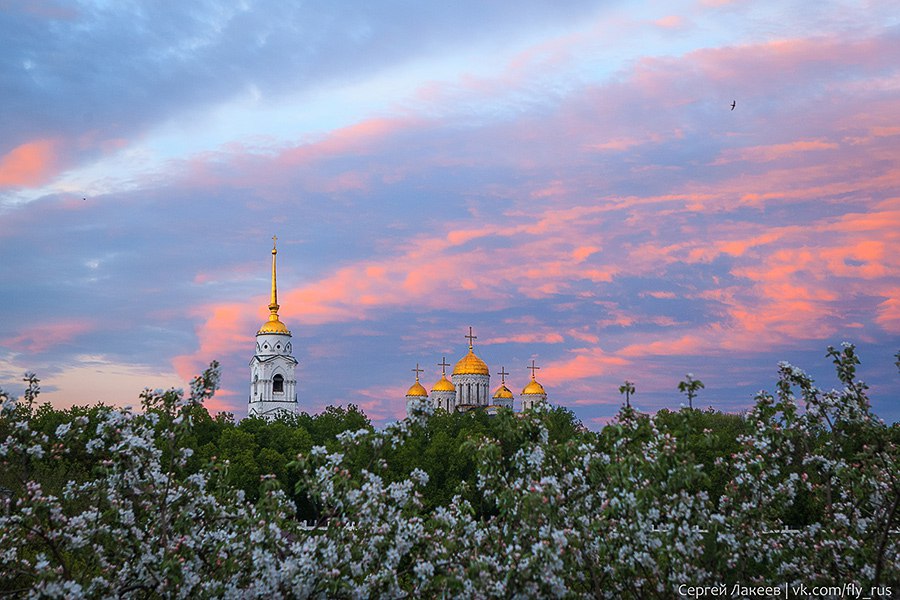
(443, 400)
(504, 402)
(472, 389)
(530, 400)
(413, 401)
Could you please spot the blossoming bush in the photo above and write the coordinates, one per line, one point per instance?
(807, 493)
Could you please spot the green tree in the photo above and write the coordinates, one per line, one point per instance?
(325, 426)
(689, 387)
(627, 389)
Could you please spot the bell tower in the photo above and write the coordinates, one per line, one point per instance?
(273, 381)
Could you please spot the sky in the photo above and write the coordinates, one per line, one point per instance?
(568, 179)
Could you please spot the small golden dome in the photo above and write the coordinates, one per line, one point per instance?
(443, 385)
(503, 392)
(273, 325)
(417, 390)
(471, 365)
(534, 388)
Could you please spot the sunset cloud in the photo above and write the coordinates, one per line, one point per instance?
(40, 337)
(29, 164)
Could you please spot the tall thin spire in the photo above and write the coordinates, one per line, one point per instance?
(273, 324)
(273, 305)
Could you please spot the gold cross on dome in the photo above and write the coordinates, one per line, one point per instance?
(503, 375)
(532, 368)
(417, 371)
(471, 338)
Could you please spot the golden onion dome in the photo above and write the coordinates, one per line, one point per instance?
(417, 390)
(534, 388)
(273, 325)
(471, 365)
(503, 392)
(443, 385)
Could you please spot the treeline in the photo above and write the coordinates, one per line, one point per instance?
(249, 450)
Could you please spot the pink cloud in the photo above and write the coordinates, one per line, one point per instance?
(29, 164)
(228, 327)
(888, 312)
(669, 22)
(528, 338)
(384, 402)
(661, 295)
(619, 144)
(358, 139)
(583, 335)
(586, 363)
(581, 253)
(44, 336)
(686, 344)
(773, 152)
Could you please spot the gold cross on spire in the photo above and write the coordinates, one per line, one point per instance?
(417, 370)
(503, 375)
(471, 337)
(533, 369)
(443, 365)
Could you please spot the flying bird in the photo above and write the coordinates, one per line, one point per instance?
(733, 104)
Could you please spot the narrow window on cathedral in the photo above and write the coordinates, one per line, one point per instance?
(278, 384)
(255, 381)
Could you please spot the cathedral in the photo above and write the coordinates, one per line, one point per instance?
(273, 379)
(469, 387)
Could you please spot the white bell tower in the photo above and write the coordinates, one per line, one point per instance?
(273, 381)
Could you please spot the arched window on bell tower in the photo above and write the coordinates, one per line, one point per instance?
(278, 384)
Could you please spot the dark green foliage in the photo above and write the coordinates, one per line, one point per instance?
(443, 448)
